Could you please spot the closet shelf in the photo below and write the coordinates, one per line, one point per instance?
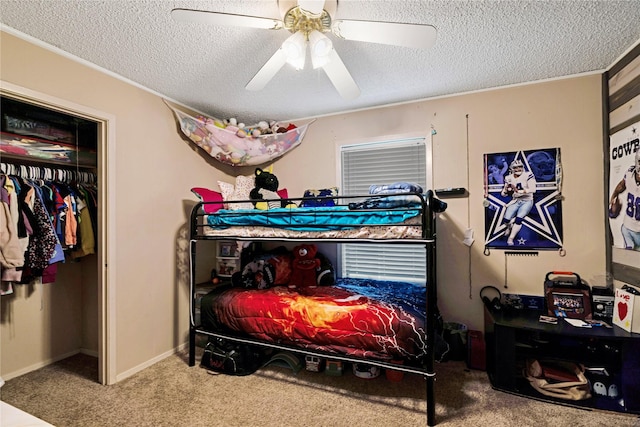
(36, 150)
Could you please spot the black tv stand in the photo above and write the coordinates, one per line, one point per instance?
(513, 337)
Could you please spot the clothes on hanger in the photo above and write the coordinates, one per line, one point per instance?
(43, 220)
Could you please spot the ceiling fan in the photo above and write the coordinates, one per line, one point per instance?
(308, 20)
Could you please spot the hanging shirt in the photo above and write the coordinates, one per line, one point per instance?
(11, 255)
(71, 224)
(43, 241)
(85, 227)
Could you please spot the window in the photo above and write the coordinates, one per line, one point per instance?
(384, 163)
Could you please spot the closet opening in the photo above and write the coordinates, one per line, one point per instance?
(52, 154)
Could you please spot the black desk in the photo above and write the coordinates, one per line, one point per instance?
(512, 338)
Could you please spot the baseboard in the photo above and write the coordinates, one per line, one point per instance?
(9, 375)
(126, 374)
(92, 353)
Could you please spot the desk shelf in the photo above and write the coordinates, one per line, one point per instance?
(511, 339)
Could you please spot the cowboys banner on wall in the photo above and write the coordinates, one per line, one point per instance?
(624, 187)
(523, 202)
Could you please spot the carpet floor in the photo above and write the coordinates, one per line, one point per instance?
(170, 393)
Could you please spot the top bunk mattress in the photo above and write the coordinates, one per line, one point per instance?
(337, 222)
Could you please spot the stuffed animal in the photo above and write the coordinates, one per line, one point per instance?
(325, 273)
(304, 266)
(258, 274)
(266, 186)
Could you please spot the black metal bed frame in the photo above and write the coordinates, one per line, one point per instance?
(429, 206)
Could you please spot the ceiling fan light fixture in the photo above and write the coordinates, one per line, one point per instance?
(295, 47)
(320, 47)
(307, 21)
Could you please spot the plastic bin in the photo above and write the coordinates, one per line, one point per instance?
(455, 334)
(476, 358)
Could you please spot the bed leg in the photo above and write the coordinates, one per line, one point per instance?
(192, 346)
(431, 401)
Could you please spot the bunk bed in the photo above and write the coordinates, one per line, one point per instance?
(407, 218)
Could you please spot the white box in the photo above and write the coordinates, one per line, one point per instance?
(626, 310)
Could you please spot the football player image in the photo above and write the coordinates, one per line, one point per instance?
(521, 186)
(629, 188)
(497, 170)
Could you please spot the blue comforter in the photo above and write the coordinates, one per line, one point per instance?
(310, 219)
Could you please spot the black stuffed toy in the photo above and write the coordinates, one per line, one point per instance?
(325, 274)
(264, 195)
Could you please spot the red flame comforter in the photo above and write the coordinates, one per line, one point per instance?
(372, 319)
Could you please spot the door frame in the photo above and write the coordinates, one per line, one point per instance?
(106, 215)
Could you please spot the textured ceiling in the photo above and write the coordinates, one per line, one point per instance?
(480, 45)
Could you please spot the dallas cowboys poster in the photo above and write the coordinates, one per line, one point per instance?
(624, 187)
(523, 202)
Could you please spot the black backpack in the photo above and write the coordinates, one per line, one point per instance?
(232, 358)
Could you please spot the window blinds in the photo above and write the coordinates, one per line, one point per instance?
(383, 163)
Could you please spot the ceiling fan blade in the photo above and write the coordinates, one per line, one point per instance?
(228, 19)
(268, 70)
(340, 77)
(396, 34)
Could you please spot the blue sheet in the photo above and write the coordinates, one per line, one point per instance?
(412, 298)
(310, 219)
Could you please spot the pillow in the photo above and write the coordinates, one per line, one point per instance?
(323, 198)
(206, 195)
(227, 191)
(264, 270)
(241, 191)
(283, 193)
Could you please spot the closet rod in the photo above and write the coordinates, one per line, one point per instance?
(48, 173)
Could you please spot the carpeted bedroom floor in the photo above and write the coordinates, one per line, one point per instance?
(170, 393)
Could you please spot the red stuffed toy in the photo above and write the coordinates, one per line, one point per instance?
(304, 266)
